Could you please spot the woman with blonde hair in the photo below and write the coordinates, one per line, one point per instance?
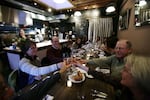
(135, 76)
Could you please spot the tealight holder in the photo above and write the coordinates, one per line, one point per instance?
(69, 83)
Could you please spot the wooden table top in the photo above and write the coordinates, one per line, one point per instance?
(80, 91)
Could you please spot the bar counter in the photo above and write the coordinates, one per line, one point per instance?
(39, 45)
(48, 42)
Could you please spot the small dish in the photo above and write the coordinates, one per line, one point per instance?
(74, 81)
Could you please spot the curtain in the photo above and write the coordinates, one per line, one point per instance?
(99, 27)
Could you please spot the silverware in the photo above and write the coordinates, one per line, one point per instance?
(99, 92)
(100, 96)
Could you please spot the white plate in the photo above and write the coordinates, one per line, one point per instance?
(74, 81)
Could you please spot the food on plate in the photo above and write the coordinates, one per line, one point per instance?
(78, 76)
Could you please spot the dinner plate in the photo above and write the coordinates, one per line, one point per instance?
(74, 81)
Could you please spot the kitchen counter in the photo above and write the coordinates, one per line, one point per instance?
(39, 45)
(48, 43)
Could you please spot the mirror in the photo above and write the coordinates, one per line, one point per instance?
(142, 13)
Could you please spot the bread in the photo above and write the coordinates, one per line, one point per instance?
(78, 76)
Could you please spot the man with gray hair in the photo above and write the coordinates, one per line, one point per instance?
(115, 63)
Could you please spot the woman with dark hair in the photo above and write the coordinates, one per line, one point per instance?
(22, 34)
(30, 68)
(77, 44)
(109, 46)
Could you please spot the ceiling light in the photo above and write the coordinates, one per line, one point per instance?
(110, 9)
(59, 1)
(35, 3)
(142, 3)
(52, 4)
(77, 13)
(95, 12)
(49, 10)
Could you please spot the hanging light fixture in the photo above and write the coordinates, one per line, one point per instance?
(77, 13)
(110, 9)
(59, 1)
(142, 3)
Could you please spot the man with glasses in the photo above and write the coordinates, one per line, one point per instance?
(115, 63)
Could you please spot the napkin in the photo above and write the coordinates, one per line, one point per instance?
(105, 71)
(99, 99)
(48, 97)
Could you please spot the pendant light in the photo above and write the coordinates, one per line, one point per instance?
(142, 3)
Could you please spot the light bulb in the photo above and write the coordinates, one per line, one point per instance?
(77, 13)
(142, 3)
(110, 9)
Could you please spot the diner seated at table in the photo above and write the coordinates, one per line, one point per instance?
(109, 46)
(114, 63)
(54, 52)
(67, 49)
(77, 44)
(30, 68)
(35, 91)
(22, 34)
(98, 42)
(135, 77)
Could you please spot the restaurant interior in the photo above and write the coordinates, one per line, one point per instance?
(69, 19)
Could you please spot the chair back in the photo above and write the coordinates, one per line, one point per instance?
(13, 60)
(12, 79)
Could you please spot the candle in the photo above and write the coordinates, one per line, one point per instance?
(88, 55)
(83, 64)
(69, 83)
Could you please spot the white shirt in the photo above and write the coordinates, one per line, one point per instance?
(27, 67)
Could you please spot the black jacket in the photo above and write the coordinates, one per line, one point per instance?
(37, 90)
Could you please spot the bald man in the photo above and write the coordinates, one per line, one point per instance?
(115, 63)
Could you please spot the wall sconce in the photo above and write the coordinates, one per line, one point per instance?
(110, 9)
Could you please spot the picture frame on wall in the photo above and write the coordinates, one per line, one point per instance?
(124, 19)
(142, 14)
